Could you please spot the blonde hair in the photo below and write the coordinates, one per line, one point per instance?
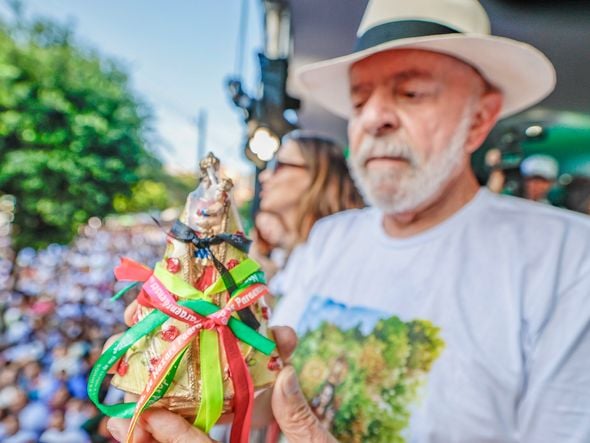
(331, 189)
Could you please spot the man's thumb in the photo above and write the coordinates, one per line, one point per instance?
(293, 414)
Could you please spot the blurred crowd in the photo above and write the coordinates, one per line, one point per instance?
(54, 321)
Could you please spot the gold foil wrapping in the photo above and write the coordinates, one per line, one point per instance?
(183, 396)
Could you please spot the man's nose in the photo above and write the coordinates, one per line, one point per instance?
(264, 175)
(380, 114)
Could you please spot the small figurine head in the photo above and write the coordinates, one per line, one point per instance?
(209, 166)
(208, 211)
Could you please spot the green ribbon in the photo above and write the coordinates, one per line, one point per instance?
(210, 408)
(241, 274)
(211, 405)
(154, 319)
(122, 292)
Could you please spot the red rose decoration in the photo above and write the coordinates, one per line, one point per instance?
(170, 333)
(265, 314)
(274, 364)
(122, 367)
(173, 265)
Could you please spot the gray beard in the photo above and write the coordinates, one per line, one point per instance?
(397, 191)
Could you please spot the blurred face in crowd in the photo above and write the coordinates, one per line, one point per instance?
(536, 188)
(32, 370)
(10, 424)
(59, 351)
(417, 117)
(8, 376)
(19, 402)
(59, 398)
(284, 181)
(56, 420)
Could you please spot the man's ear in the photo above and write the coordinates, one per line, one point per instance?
(484, 119)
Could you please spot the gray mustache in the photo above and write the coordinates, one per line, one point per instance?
(383, 147)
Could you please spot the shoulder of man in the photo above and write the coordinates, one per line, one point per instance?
(519, 210)
(554, 238)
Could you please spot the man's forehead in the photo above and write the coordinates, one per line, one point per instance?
(408, 63)
(361, 83)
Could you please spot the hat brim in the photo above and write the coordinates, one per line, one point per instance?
(522, 73)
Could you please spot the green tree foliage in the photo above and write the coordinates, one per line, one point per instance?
(155, 191)
(72, 133)
(376, 376)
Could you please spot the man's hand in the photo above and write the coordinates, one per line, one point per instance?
(158, 425)
(164, 426)
(289, 407)
(292, 412)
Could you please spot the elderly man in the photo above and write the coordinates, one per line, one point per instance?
(453, 314)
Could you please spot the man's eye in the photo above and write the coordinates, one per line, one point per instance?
(358, 105)
(412, 94)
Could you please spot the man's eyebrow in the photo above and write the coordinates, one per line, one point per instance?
(359, 88)
(410, 74)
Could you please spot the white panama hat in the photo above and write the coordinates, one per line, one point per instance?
(459, 28)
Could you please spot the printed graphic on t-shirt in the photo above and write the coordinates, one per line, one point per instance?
(362, 369)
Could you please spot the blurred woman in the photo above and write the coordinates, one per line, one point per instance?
(308, 179)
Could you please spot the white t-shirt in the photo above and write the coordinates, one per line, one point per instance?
(481, 325)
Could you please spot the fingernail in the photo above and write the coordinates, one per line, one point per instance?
(113, 430)
(291, 385)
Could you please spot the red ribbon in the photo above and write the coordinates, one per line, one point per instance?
(243, 388)
(154, 294)
(130, 270)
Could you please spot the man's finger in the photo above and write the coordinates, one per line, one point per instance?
(293, 414)
(286, 341)
(262, 413)
(160, 426)
(129, 397)
(167, 427)
(129, 314)
(118, 428)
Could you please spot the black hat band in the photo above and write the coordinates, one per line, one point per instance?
(390, 31)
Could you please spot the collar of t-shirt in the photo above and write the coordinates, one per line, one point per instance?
(460, 217)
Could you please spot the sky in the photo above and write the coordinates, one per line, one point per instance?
(178, 55)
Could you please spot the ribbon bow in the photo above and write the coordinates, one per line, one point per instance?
(184, 233)
(202, 318)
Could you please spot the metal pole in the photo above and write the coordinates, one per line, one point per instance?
(202, 140)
